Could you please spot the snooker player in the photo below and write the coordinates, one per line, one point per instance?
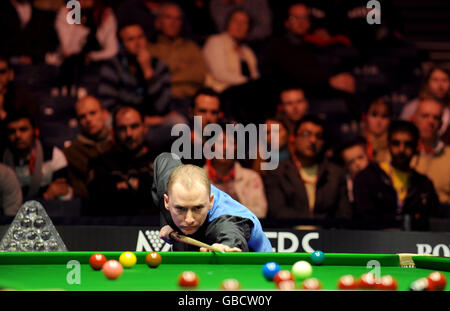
(190, 205)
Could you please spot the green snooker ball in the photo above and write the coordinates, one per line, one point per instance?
(317, 257)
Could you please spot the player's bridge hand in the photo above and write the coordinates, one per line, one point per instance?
(165, 232)
(222, 248)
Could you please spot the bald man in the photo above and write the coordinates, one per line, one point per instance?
(190, 205)
(95, 139)
(433, 159)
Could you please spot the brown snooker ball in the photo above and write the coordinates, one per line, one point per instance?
(153, 259)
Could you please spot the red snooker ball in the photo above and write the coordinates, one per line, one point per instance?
(367, 281)
(112, 269)
(387, 282)
(153, 259)
(347, 282)
(97, 261)
(286, 285)
(230, 284)
(283, 275)
(188, 279)
(312, 284)
(436, 281)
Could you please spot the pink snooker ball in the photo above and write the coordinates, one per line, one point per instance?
(112, 269)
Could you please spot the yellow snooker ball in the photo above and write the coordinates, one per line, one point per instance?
(127, 259)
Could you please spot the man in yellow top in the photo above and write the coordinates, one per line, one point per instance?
(392, 191)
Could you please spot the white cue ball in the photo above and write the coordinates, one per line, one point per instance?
(302, 270)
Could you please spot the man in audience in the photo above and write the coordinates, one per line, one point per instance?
(293, 106)
(137, 78)
(120, 179)
(94, 139)
(353, 154)
(392, 190)
(307, 185)
(242, 184)
(183, 56)
(42, 170)
(433, 158)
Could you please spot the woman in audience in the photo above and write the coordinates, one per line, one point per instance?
(375, 126)
(231, 62)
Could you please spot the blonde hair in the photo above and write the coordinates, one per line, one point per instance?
(188, 175)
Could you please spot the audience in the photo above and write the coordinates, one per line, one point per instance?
(433, 158)
(242, 184)
(10, 192)
(94, 140)
(436, 86)
(120, 180)
(307, 185)
(183, 56)
(230, 61)
(392, 190)
(293, 106)
(27, 34)
(42, 170)
(91, 41)
(375, 129)
(355, 159)
(258, 11)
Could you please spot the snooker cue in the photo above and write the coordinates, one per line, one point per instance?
(184, 239)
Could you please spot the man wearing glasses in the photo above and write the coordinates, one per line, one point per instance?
(392, 191)
(307, 185)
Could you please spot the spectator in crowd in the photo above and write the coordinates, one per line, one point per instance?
(436, 86)
(120, 180)
(183, 56)
(10, 191)
(280, 138)
(307, 185)
(258, 11)
(242, 184)
(206, 105)
(94, 140)
(290, 58)
(94, 40)
(375, 127)
(144, 13)
(42, 170)
(12, 96)
(230, 61)
(392, 190)
(433, 158)
(293, 106)
(137, 78)
(355, 159)
(202, 25)
(27, 34)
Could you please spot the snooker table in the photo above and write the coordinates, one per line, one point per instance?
(49, 271)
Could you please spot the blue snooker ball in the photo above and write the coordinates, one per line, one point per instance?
(270, 269)
(317, 257)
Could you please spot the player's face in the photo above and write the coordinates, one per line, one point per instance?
(188, 207)
(298, 21)
(428, 119)
(239, 26)
(355, 159)
(378, 119)
(170, 21)
(207, 107)
(91, 117)
(294, 104)
(130, 130)
(20, 134)
(309, 140)
(401, 147)
(439, 83)
(133, 39)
